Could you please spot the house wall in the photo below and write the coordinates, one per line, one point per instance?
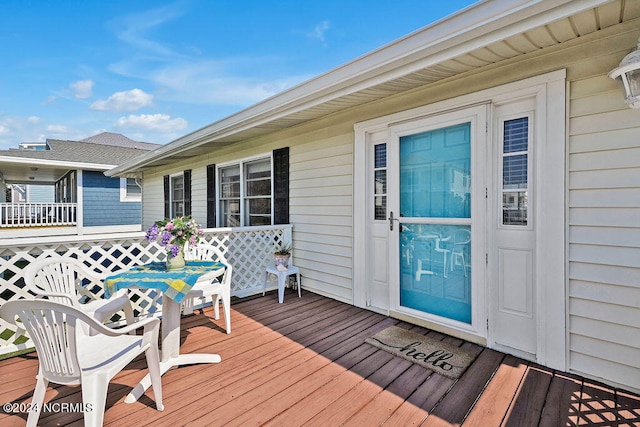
(603, 194)
(101, 202)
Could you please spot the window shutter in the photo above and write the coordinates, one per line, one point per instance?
(211, 196)
(281, 185)
(167, 197)
(187, 191)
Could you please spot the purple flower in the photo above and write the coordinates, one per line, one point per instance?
(166, 238)
(174, 249)
(152, 233)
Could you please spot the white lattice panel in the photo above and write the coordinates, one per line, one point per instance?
(248, 249)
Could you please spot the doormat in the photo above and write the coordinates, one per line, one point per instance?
(441, 357)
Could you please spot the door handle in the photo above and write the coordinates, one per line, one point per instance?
(391, 219)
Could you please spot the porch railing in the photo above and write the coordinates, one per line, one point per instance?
(18, 215)
(248, 249)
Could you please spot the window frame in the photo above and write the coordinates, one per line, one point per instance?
(529, 190)
(124, 194)
(243, 198)
(172, 202)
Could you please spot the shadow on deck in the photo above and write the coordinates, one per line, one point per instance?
(305, 362)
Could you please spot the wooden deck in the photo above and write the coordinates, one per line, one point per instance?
(305, 362)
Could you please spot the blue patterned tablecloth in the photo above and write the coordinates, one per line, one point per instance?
(175, 284)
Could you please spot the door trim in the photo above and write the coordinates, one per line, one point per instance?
(551, 186)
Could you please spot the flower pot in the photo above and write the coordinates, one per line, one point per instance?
(282, 260)
(177, 261)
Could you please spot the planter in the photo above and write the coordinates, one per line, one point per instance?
(177, 261)
(282, 260)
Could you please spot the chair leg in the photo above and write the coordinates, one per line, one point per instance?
(128, 314)
(226, 305)
(216, 307)
(264, 284)
(37, 401)
(153, 364)
(94, 398)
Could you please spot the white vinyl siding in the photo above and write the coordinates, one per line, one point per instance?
(604, 232)
(321, 188)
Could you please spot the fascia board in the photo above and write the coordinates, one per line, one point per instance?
(26, 161)
(471, 28)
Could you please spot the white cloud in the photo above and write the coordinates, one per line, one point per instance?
(49, 100)
(319, 31)
(152, 122)
(33, 119)
(82, 89)
(57, 129)
(208, 83)
(130, 100)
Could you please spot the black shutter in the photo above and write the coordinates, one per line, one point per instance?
(187, 191)
(167, 198)
(211, 196)
(281, 185)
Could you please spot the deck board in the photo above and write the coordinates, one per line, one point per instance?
(305, 363)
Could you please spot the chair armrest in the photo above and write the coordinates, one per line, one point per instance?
(149, 322)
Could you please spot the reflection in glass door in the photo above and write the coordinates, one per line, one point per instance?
(435, 221)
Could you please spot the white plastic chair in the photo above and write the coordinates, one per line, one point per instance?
(423, 254)
(461, 238)
(69, 356)
(61, 279)
(218, 287)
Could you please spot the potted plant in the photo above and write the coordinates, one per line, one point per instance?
(282, 254)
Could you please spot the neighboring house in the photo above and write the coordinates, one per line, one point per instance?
(61, 185)
(480, 176)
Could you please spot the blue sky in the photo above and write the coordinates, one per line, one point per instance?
(155, 71)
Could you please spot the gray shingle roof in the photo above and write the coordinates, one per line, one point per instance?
(119, 140)
(105, 148)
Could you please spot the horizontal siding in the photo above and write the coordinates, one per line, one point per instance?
(101, 205)
(604, 231)
(321, 201)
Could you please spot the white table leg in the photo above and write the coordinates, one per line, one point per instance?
(170, 353)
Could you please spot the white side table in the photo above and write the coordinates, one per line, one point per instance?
(282, 277)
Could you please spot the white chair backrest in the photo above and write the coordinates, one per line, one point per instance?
(57, 276)
(204, 252)
(461, 236)
(52, 327)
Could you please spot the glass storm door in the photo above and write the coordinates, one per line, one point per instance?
(432, 214)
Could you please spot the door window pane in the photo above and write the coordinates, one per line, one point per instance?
(515, 171)
(435, 258)
(380, 182)
(436, 269)
(435, 175)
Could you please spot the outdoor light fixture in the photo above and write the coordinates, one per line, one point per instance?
(628, 73)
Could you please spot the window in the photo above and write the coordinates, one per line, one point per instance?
(515, 171)
(130, 191)
(177, 195)
(380, 181)
(245, 196)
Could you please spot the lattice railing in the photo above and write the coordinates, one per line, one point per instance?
(248, 249)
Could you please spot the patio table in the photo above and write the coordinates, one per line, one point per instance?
(174, 284)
